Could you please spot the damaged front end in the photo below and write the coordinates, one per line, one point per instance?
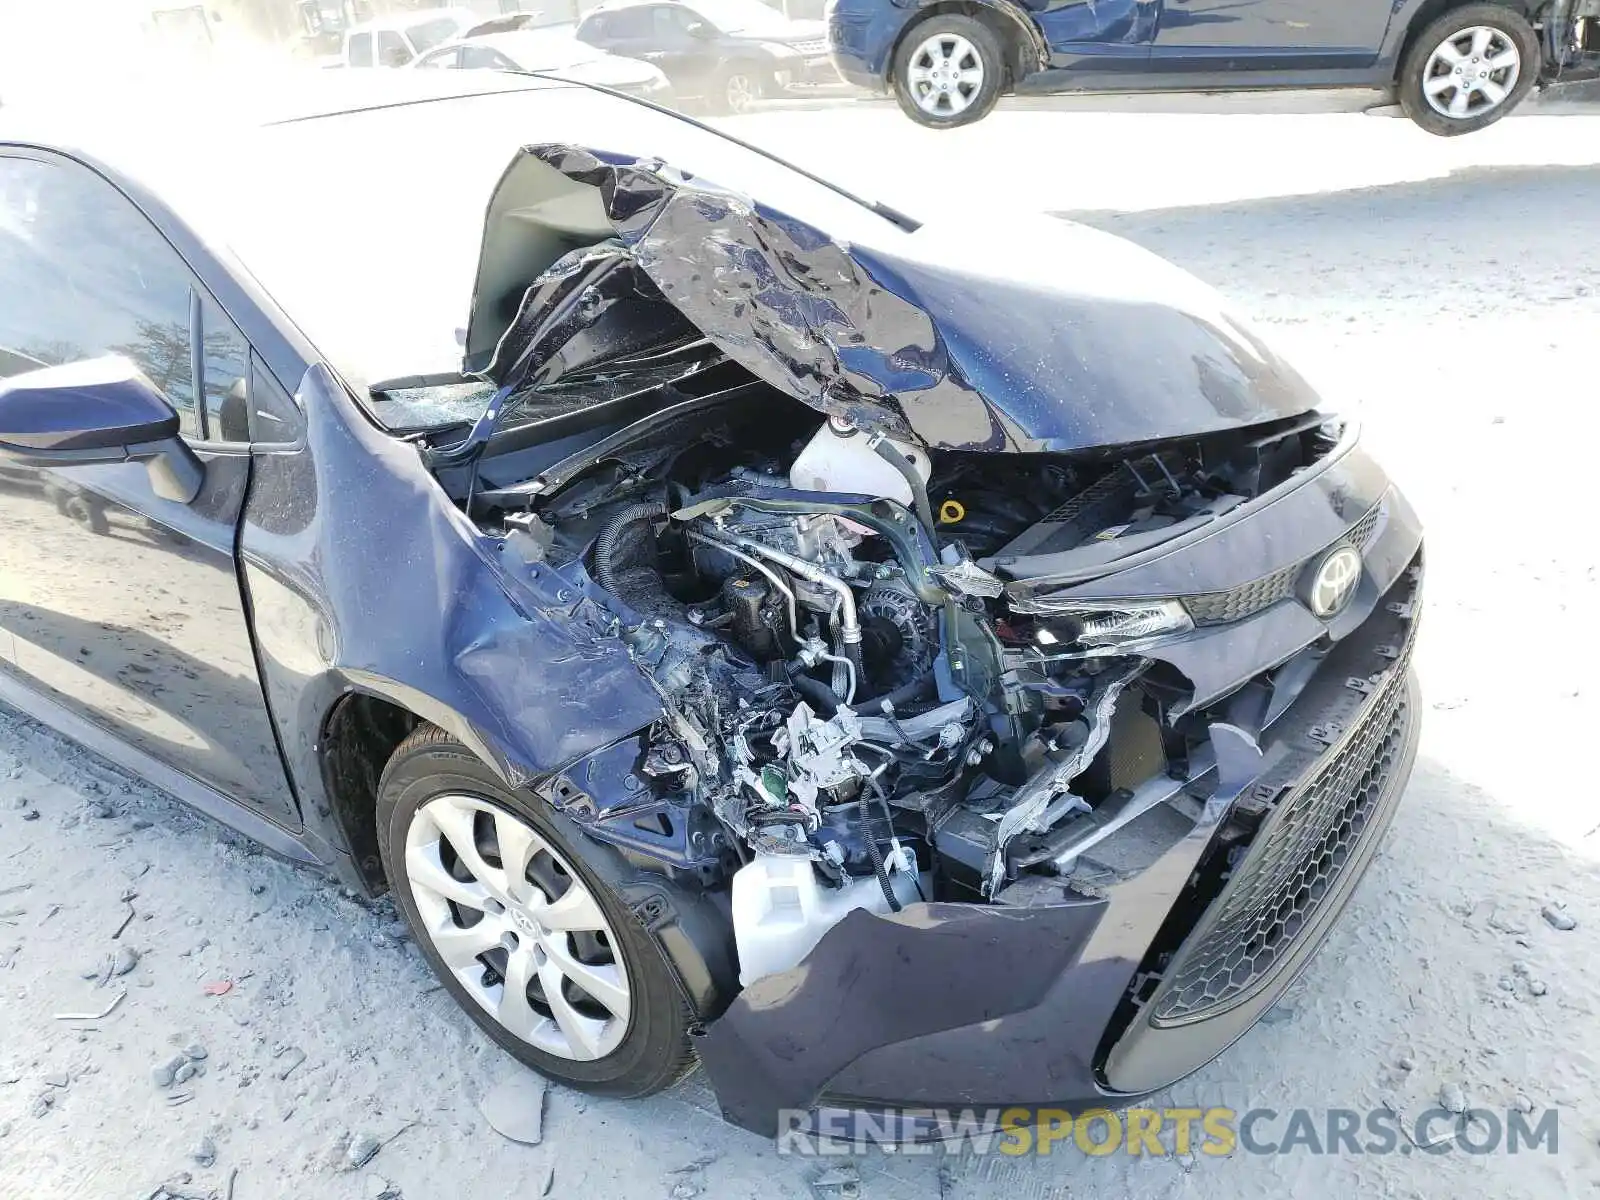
(1032, 692)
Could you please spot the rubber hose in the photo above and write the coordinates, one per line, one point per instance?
(919, 490)
(605, 546)
(818, 693)
(904, 694)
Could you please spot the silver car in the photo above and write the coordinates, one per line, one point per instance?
(550, 51)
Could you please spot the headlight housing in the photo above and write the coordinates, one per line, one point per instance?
(1099, 628)
(779, 50)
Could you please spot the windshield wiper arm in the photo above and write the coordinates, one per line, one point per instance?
(471, 446)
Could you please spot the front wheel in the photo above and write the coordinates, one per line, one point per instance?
(738, 91)
(948, 71)
(511, 906)
(1469, 68)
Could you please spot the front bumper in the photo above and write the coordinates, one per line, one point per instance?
(1063, 995)
(812, 75)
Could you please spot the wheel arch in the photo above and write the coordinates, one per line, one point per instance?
(1431, 10)
(359, 733)
(1019, 35)
(362, 730)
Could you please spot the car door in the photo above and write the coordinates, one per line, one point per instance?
(637, 32)
(447, 59)
(1267, 35)
(359, 53)
(393, 50)
(1090, 35)
(121, 607)
(691, 48)
(482, 58)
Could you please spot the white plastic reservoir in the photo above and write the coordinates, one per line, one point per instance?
(834, 463)
(781, 909)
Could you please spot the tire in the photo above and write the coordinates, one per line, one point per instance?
(943, 43)
(737, 90)
(86, 512)
(433, 783)
(1479, 34)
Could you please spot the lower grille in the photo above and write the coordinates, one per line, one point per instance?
(1294, 862)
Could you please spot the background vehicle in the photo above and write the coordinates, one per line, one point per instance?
(396, 41)
(551, 50)
(1455, 67)
(725, 53)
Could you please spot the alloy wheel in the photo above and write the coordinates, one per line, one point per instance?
(945, 74)
(1471, 72)
(517, 927)
(741, 93)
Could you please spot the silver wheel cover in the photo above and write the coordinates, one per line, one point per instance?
(944, 75)
(517, 927)
(1471, 73)
(741, 93)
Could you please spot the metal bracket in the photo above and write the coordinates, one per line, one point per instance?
(1325, 735)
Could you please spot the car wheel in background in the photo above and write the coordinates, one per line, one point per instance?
(1469, 68)
(739, 90)
(512, 908)
(87, 512)
(948, 71)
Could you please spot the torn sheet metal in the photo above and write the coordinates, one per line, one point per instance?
(1045, 336)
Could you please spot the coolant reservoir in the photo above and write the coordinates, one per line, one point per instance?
(838, 459)
(781, 909)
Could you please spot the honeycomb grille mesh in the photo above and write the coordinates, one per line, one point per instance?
(1295, 863)
(1218, 608)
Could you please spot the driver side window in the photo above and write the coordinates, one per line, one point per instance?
(83, 274)
(672, 22)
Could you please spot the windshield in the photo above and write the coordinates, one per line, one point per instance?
(743, 16)
(425, 35)
(379, 264)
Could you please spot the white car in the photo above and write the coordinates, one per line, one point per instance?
(399, 40)
(554, 52)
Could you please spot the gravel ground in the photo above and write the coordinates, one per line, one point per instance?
(1445, 291)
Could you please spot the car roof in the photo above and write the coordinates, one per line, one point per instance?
(148, 109)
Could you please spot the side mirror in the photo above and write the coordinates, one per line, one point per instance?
(101, 410)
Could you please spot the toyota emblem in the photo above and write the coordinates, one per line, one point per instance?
(1335, 581)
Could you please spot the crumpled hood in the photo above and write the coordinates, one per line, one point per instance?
(1042, 336)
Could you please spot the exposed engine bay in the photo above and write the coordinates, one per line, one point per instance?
(875, 688)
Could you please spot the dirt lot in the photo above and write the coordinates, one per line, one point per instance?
(1445, 291)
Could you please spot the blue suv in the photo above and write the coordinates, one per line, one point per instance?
(1456, 67)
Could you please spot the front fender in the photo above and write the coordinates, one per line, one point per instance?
(361, 575)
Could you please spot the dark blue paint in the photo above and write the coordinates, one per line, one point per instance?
(336, 564)
(1048, 336)
(91, 406)
(1079, 45)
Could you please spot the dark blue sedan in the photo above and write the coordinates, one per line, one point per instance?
(708, 601)
(1455, 67)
